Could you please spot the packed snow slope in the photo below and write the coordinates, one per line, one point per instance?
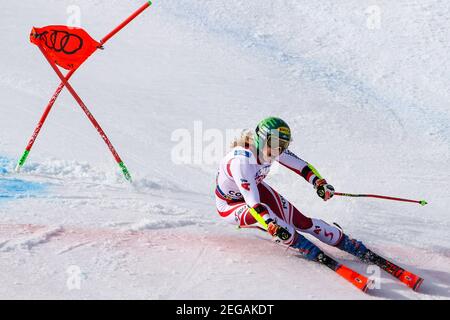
(366, 97)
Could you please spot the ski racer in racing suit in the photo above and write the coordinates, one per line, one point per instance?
(240, 187)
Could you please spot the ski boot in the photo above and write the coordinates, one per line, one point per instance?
(354, 247)
(308, 249)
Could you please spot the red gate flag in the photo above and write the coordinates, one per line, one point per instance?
(68, 47)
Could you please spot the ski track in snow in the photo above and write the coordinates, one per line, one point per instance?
(31, 239)
(120, 250)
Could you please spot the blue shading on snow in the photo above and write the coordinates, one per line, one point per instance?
(11, 188)
(4, 164)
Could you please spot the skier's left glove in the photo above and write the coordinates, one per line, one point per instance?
(273, 228)
(324, 190)
(276, 230)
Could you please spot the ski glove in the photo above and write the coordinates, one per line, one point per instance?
(324, 190)
(272, 227)
(277, 231)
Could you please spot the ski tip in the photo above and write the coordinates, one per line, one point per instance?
(418, 284)
(125, 172)
(423, 203)
(17, 169)
(370, 285)
(411, 280)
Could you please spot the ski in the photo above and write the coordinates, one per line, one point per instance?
(358, 280)
(410, 279)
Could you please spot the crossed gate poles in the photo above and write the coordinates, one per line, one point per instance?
(65, 83)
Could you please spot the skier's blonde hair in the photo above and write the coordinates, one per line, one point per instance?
(245, 140)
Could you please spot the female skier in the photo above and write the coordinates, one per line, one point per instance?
(241, 188)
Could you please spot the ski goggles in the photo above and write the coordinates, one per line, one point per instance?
(278, 144)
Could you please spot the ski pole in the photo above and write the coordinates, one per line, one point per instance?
(258, 218)
(36, 132)
(89, 115)
(252, 227)
(421, 202)
(58, 91)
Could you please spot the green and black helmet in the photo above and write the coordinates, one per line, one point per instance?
(274, 132)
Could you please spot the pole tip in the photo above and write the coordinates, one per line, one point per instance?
(125, 172)
(423, 203)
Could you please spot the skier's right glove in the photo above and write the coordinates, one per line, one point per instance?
(276, 230)
(272, 227)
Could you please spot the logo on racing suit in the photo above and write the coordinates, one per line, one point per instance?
(245, 184)
(262, 174)
(237, 213)
(234, 195)
(318, 230)
(242, 153)
(329, 234)
(288, 152)
(284, 202)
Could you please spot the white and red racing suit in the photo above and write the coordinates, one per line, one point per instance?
(240, 186)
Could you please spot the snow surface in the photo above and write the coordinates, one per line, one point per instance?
(369, 108)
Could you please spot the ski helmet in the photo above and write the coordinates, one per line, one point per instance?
(274, 132)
